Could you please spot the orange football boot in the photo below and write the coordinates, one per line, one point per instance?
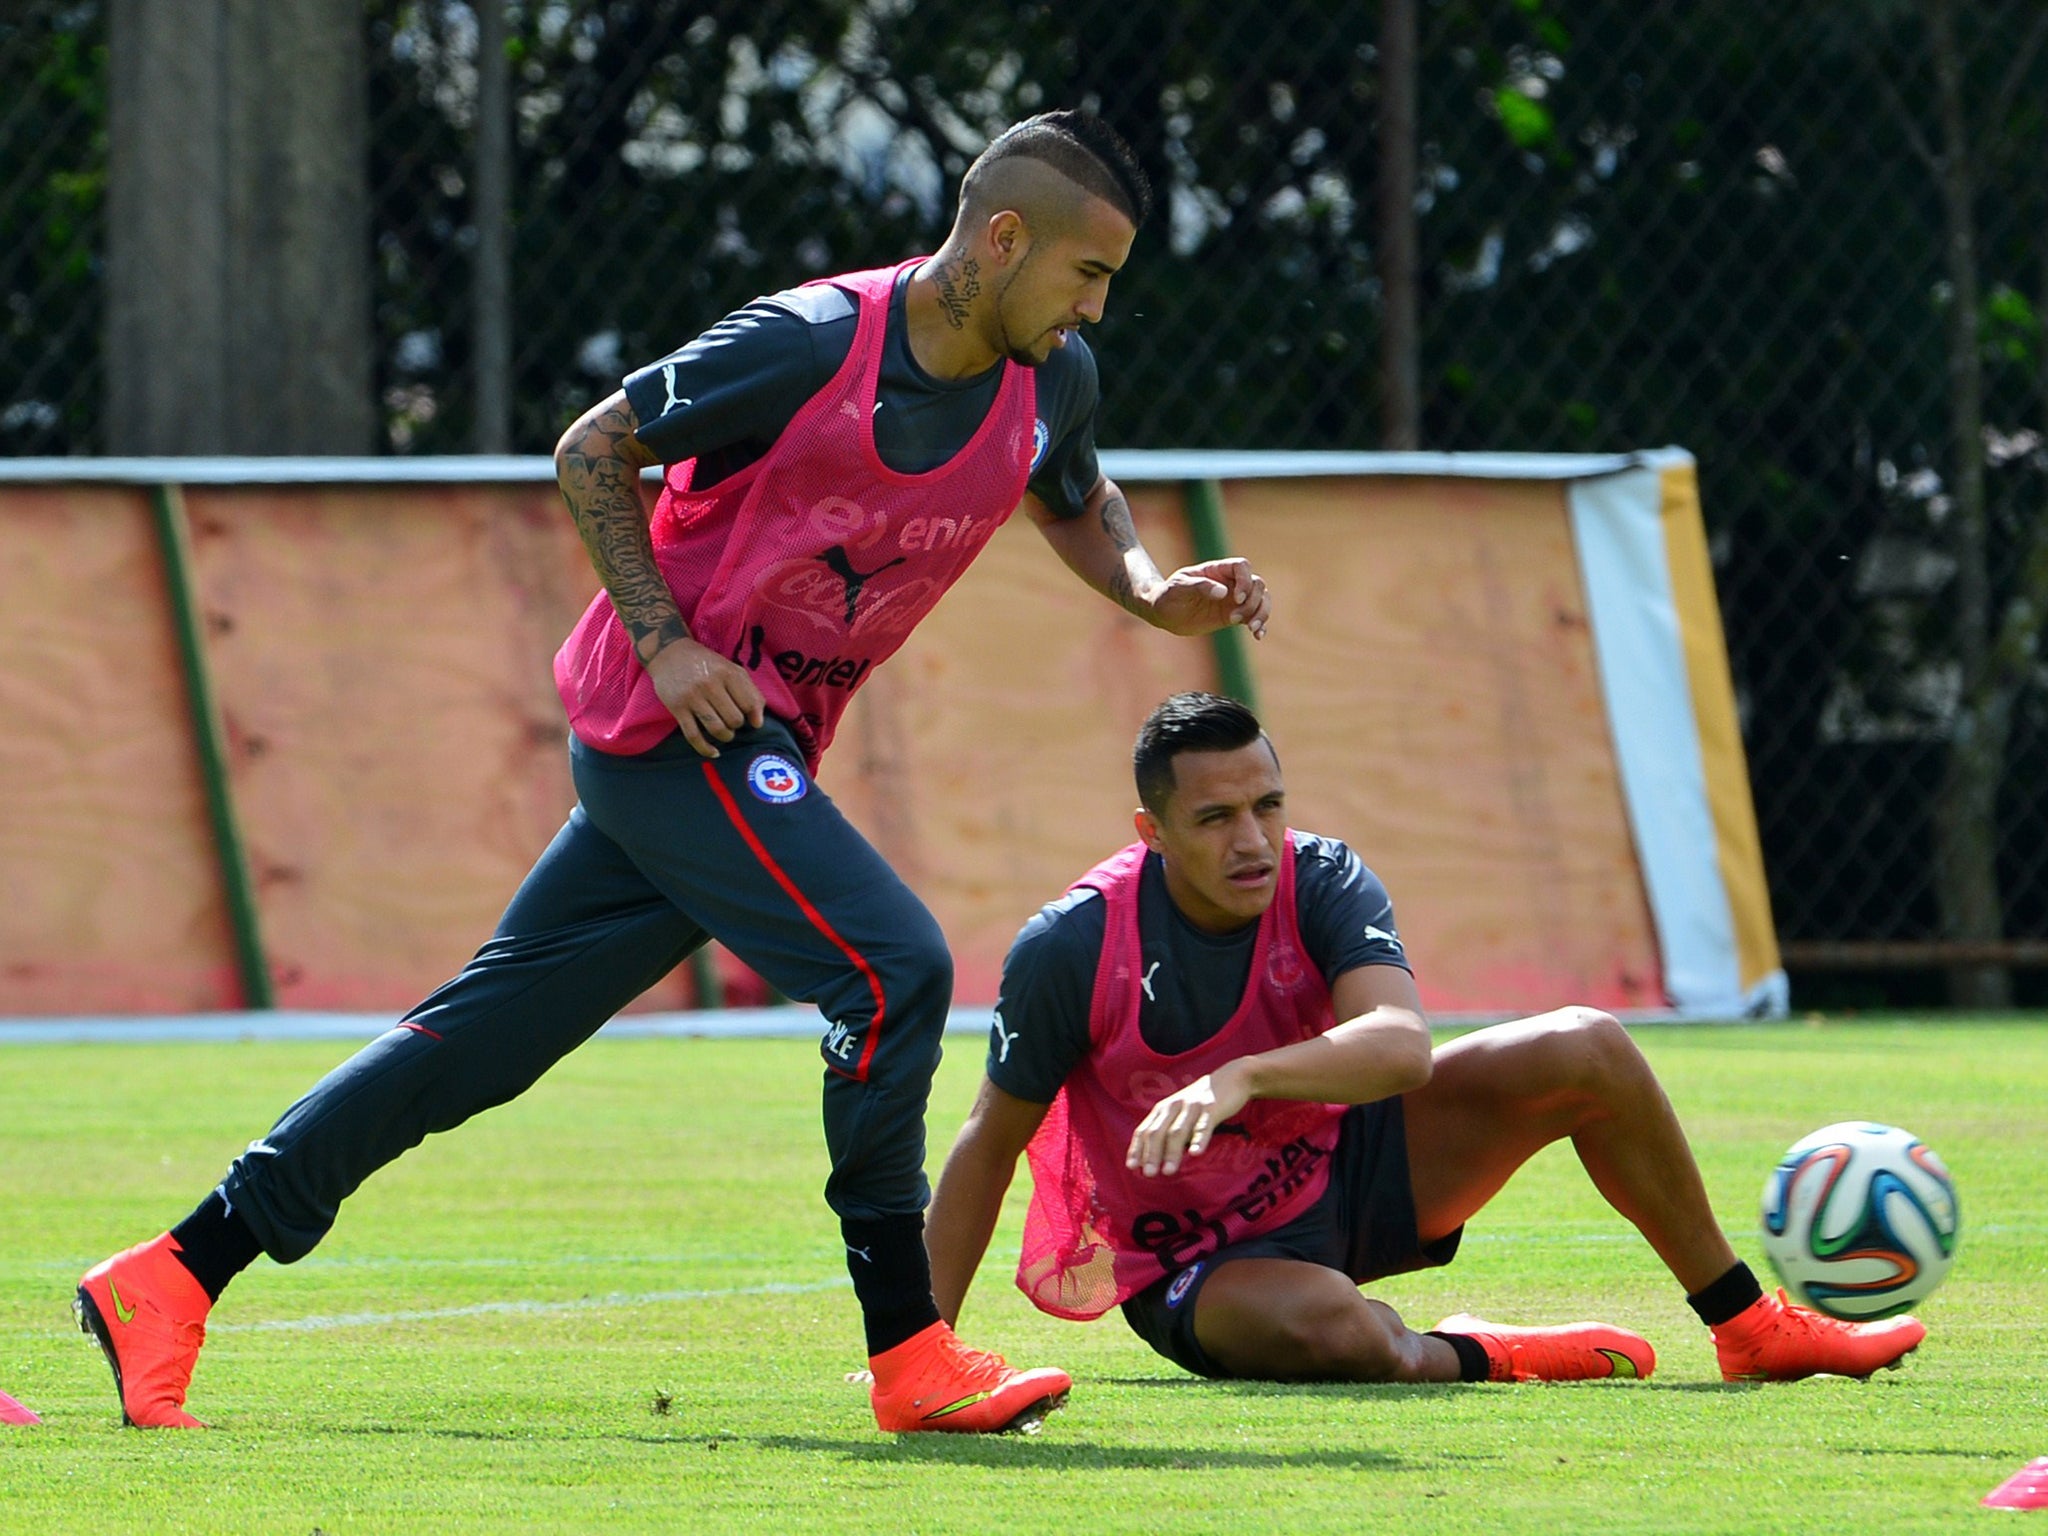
(148, 1316)
(1569, 1352)
(1772, 1340)
(932, 1381)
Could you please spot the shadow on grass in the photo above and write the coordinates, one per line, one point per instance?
(1018, 1450)
(522, 1436)
(1007, 1450)
(1392, 1391)
(965, 1450)
(1245, 1388)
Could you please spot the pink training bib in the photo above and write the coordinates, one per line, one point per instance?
(1098, 1233)
(811, 566)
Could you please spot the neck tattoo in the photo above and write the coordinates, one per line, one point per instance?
(959, 283)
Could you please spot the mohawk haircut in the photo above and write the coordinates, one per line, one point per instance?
(1081, 147)
(1188, 722)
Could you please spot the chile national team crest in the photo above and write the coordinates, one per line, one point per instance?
(1284, 968)
(775, 779)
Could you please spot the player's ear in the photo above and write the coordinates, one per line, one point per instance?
(1148, 829)
(1007, 236)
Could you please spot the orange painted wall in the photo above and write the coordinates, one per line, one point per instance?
(1431, 687)
(381, 659)
(108, 896)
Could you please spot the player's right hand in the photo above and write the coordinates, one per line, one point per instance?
(710, 696)
(1182, 1124)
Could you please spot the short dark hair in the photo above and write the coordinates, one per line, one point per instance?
(1081, 147)
(1187, 722)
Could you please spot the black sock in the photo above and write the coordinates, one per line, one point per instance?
(1733, 1293)
(892, 1277)
(215, 1244)
(1472, 1362)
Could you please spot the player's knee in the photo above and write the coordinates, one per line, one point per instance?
(917, 976)
(1603, 1053)
(927, 964)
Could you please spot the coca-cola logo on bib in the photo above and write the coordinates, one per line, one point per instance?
(806, 587)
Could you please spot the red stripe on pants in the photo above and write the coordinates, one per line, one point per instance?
(817, 918)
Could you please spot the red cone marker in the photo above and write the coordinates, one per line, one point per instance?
(2025, 1489)
(12, 1412)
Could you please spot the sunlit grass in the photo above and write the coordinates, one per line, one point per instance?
(618, 1305)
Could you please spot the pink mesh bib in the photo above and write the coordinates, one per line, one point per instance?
(812, 565)
(1098, 1233)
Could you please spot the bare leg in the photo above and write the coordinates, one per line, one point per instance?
(1498, 1096)
(1287, 1320)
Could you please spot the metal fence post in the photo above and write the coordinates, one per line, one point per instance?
(1400, 369)
(492, 212)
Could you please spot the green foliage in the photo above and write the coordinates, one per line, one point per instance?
(486, 1341)
(673, 163)
(1526, 121)
(2012, 330)
(53, 160)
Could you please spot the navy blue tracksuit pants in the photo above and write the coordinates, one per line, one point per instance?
(663, 850)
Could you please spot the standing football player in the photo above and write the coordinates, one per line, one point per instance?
(837, 455)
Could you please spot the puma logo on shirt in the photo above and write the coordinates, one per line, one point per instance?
(674, 402)
(841, 565)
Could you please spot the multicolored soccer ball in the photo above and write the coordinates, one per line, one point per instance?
(1860, 1220)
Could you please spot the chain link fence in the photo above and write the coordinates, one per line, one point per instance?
(53, 171)
(1813, 249)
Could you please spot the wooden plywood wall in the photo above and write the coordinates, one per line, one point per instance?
(1432, 690)
(396, 748)
(109, 899)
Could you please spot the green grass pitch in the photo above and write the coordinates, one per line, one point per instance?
(618, 1305)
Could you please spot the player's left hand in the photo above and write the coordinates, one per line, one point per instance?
(1183, 1123)
(1199, 599)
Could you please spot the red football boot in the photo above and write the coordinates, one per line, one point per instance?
(1569, 1352)
(932, 1381)
(149, 1317)
(1772, 1340)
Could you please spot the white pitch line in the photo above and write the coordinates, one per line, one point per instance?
(519, 1308)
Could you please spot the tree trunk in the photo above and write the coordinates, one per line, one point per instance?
(238, 268)
(1966, 808)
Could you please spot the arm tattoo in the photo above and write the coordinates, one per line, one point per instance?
(959, 283)
(1116, 522)
(602, 488)
(1123, 534)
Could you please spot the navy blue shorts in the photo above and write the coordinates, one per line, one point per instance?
(1362, 1226)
